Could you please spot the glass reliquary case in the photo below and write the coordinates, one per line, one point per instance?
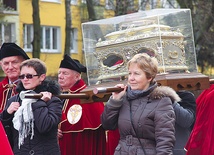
(166, 34)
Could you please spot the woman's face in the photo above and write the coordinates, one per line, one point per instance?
(29, 78)
(137, 78)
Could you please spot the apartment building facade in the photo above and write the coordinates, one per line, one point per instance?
(16, 25)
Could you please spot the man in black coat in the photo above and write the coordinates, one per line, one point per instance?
(185, 118)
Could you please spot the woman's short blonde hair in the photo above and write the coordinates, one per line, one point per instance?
(148, 64)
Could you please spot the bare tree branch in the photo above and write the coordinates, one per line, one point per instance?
(36, 29)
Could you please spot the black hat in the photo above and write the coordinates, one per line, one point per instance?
(11, 49)
(72, 64)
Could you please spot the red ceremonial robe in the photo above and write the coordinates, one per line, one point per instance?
(4, 90)
(86, 137)
(5, 148)
(201, 140)
(113, 137)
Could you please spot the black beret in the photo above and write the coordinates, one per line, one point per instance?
(72, 64)
(11, 49)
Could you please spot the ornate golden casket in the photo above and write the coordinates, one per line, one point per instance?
(163, 33)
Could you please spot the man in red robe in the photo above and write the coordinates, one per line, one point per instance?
(201, 140)
(11, 56)
(80, 131)
(113, 137)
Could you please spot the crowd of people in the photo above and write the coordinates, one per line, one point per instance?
(144, 118)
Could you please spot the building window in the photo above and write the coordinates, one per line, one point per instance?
(74, 42)
(28, 37)
(7, 33)
(110, 5)
(73, 2)
(94, 2)
(84, 1)
(54, 1)
(49, 38)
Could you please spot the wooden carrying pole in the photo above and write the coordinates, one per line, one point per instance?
(99, 94)
(211, 81)
(61, 96)
(95, 95)
(106, 90)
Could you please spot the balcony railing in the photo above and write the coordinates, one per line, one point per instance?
(8, 7)
(10, 4)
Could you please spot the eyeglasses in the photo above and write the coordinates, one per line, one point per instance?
(28, 76)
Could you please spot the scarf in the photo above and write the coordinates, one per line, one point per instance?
(134, 94)
(23, 120)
